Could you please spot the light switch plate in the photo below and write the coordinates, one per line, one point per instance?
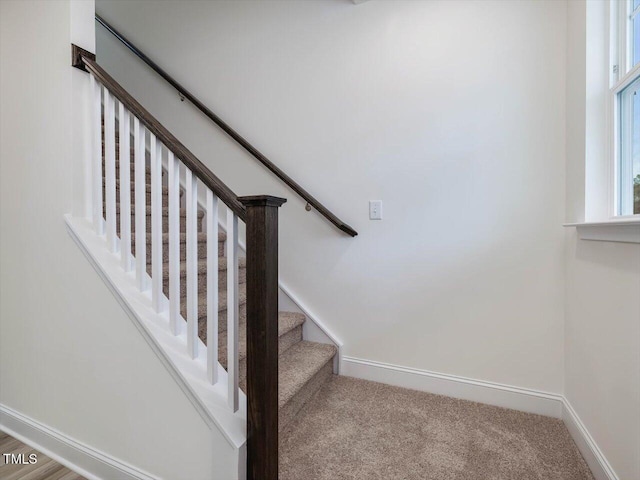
(375, 209)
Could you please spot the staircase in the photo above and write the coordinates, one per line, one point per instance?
(153, 232)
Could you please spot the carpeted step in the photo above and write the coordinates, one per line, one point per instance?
(132, 152)
(289, 333)
(165, 219)
(131, 174)
(222, 300)
(132, 156)
(302, 370)
(222, 306)
(165, 192)
(202, 246)
(202, 275)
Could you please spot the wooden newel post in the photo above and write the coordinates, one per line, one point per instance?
(262, 336)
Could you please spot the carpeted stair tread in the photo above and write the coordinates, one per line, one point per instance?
(202, 274)
(222, 307)
(287, 322)
(165, 211)
(298, 365)
(132, 167)
(202, 266)
(222, 263)
(202, 238)
(222, 300)
(165, 190)
(202, 246)
(222, 297)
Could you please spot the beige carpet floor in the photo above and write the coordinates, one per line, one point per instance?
(355, 429)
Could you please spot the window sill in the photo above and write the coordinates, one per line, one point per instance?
(625, 230)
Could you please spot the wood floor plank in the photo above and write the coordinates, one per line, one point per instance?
(29, 469)
(19, 449)
(65, 474)
(45, 468)
(9, 445)
(42, 471)
(12, 468)
(72, 476)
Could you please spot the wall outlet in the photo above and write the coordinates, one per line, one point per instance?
(375, 209)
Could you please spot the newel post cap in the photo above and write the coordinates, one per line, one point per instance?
(262, 201)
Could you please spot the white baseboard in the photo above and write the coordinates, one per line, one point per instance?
(516, 398)
(590, 451)
(82, 459)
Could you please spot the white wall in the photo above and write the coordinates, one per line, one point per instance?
(452, 113)
(602, 327)
(69, 356)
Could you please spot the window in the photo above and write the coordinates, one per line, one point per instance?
(626, 98)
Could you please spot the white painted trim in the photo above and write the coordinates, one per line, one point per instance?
(592, 454)
(507, 396)
(625, 230)
(190, 374)
(89, 462)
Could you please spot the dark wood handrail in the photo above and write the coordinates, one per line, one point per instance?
(205, 175)
(310, 199)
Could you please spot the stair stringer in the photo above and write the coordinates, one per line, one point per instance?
(210, 401)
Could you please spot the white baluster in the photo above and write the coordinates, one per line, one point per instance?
(212, 287)
(140, 207)
(96, 180)
(110, 169)
(174, 243)
(232, 309)
(156, 223)
(125, 188)
(192, 264)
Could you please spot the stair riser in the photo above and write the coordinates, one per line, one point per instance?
(147, 176)
(165, 224)
(202, 281)
(165, 195)
(132, 175)
(202, 251)
(222, 315)
(289, 410)
(242, 276)
(289, 339)
(132, 154)
(285, 342)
